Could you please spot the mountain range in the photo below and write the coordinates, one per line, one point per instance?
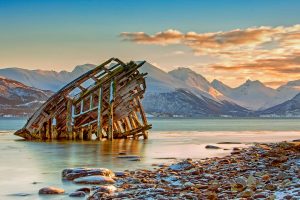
(19, 99)
(180, 92)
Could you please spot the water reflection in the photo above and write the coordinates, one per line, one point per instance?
(84, 153)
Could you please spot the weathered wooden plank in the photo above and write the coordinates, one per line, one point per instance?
(69, 118)
(111, 109)
(99, 116)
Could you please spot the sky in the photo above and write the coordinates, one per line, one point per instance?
(227, 40)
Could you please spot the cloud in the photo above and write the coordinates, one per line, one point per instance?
(222, 43)
(178, 53)
(162, 38)
(267, 52)
(285, 64)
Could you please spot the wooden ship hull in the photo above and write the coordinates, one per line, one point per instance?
(109, 106)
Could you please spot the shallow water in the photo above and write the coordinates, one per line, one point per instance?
(24, 163)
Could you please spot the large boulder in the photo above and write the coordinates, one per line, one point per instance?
(73, 173)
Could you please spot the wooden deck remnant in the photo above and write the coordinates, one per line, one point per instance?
(104, 101)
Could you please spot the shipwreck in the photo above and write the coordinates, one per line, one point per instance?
(105, 102)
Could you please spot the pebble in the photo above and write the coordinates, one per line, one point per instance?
(77, 194)
(129, 157)
(121, 174)
(21, 194)
(212, 147)
(106, 188)
(84, 189)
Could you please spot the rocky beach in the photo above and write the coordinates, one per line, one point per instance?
(262, 171)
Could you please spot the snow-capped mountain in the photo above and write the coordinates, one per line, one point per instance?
(184, 103)
(252, 95)
(284, 93)
(159, 81)
(46, 80)
(197, 83)
(221, 87)
(290, 108)
(183, 92)
(19, 99)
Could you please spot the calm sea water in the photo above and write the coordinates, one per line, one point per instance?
(198, 124)
(24, 163)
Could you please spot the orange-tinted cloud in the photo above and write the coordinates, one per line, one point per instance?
(217, 42)
(288, 64)
(267, 53)
(162, 38)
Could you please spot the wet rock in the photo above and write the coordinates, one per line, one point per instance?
(106, 189)
(51, 190)
(77, 194)
(188, 184)
(224, 161)
(135, 159)
(98, 180)
(270, 187)
(212, 196)
(98, 196)
(21, 194)
(239, 185)
(129, 157)
(288, 197)
(266, 177)
(229, 143)
(235, 152)
(199, 186)
(124, 195)
(251, 181)
(259, 196)
(247, 194)
(282, 176)
(73, 173)
(121, 174)
(242, 181)
(212, 147)
(163, 165)
(84, 189)
(184, 165)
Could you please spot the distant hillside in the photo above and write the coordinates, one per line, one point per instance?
(290, 108)
(19, 99)
(183, 103)
(251, 94)
(42, 79)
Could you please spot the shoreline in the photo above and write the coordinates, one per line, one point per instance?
(261, 171)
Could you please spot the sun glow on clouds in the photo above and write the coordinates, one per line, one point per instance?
(264, 53)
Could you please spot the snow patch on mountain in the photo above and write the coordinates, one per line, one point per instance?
(197, 83)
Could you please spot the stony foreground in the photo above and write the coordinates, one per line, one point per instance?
(263, 171)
